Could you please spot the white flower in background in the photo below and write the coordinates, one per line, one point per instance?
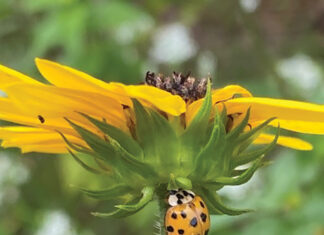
(301, 71)
(56, 222)
(12, 174)
(173, 44)
(249, 5)
(128, 31)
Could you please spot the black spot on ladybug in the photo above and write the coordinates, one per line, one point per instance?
(193, 222)
(179, 202)
(179, 196)
(203, 217)
(170, 229)
(174, 215)
(181, 231)
(41, 118)
(191, 195)
(183, 214)
(206, 233)
(173, 192)
(202, 204)
(185, 193)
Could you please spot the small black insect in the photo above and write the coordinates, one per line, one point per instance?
(41, 119)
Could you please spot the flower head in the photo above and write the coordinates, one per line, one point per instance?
(173, 132)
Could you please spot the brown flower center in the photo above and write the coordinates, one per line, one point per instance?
(189, 88)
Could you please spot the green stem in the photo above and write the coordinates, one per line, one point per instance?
(163, 207)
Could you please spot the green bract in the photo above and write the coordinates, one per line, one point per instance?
(162, 155)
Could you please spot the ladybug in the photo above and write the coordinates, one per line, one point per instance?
(188, 214)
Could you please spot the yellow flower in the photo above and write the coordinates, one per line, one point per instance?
(38, 109)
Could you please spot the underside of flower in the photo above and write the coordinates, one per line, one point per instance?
(162, 157)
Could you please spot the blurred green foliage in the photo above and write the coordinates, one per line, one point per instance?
(273, 48)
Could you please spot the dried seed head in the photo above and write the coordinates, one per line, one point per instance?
(189, 88)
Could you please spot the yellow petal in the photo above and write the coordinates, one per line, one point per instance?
(39, 148)
(9, 112)
(218, 96)
(66, 77)
(162, 100)
(292, 115)
(35, 139)
(297, 126)
(286, 141)
(53, 102)
(9, 76)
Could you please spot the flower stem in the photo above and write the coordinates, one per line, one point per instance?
(162, 211)
(163, 206)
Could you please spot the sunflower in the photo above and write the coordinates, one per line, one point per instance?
(170, 133)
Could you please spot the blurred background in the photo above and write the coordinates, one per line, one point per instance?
(273, 48)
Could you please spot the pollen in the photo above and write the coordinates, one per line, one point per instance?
(186, 86)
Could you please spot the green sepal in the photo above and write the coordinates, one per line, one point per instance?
(118, 213)
(111, 152)
(147, 196)
(122, 138)
(172, 185)
(247, 157)
(241, 171)
(139, 166)
(155, 134)
(199, 124)
(107, 194)
(75, 147)
(97, 144)
(202, 161)
(247, 138)
(216, 206)
(233, 134)
(243, 178)
(84, 165)
(184, 183)
(176, 183)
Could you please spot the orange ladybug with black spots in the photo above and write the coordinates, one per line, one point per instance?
(187, 215)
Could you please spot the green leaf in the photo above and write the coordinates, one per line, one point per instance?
(233, 134)
(243, 178)
(122, 138)
(98, 145)
(155, 135)
(199, 124)
(147, 196)
(75, 147)
(176, 183)
(240, 172)
(108, 194)
(113, 153)
(184, 183)
(202, 161)
(216, 206)
(247, 157)
(119, 213)
(247, 138)
(84, 165)
(141, 167)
